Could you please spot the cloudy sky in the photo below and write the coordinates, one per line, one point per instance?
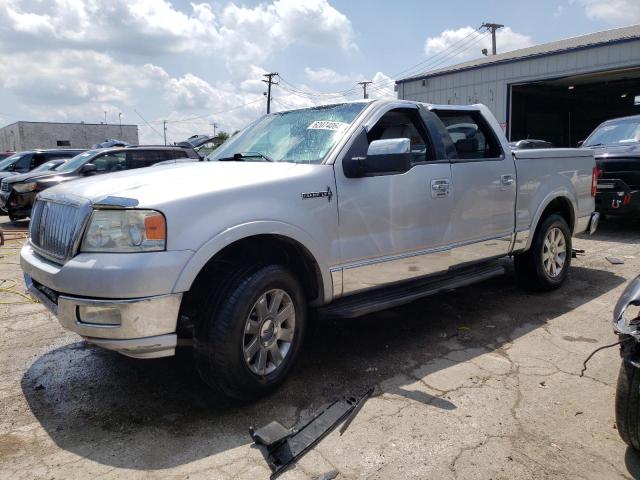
(196, 63)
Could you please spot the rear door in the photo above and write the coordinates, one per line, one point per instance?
(483, 189)
(391, 225)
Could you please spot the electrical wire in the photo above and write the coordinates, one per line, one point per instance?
(436, 62)
(186, 120)
(455, 48)
(148, 124)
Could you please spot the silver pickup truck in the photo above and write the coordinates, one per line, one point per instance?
(341, 210)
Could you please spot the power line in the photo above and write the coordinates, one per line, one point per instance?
(187, 120)
(435, 62)
(148, 124)
(440, 57)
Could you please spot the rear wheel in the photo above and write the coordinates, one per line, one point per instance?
(251, 331)
(546, 264)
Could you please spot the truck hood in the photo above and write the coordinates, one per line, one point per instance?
(157, 185)
(30, 176)
(617, 150)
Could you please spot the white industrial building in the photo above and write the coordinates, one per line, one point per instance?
(20, 136)
(556, 91)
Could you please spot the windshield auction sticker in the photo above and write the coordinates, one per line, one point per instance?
(327, 125)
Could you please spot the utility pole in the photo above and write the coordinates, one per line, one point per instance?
(105, 117)
(214, 125)
(164, 123)
(492, 27)
(269, 81)
(120, 122)
(364, 88)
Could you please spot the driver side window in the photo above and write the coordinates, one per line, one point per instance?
(403, 123)
(110, 162)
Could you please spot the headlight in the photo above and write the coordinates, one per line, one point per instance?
(122, 231)
(24, 187)
(626, 314)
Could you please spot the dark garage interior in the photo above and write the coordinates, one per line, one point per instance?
(565, 111)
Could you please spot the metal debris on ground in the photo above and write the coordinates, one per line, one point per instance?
(576, 251)
(584, 364)
(285, 445)
(615, 260)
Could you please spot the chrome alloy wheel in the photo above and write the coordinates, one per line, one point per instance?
(554, 252)
(269, 331)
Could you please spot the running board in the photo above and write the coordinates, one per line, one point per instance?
(371, 301)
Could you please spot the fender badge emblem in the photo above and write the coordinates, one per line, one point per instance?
(327, 193)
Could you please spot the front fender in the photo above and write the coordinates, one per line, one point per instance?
(260, 227)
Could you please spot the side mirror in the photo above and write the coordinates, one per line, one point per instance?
(580, 143)
(88, 169)
(391, 156)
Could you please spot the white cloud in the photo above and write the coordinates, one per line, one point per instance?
(237, 33)
(461, 44)
(382, 86)
(559, 11)
(327, 75)
(72, 77)
(74, 59)
(616, 12)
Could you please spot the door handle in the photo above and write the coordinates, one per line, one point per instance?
(439, 188)
(507, 179)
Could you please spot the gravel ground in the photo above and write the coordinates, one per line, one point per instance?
(480, 383)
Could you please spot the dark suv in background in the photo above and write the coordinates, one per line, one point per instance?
(23, 162)
(616, 145)
(18, 192)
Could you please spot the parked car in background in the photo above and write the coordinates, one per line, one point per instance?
(50, 165)
(4, 155)
(26, 161)
(203, 144)
(18, 192)
(529, 143)
(347, 208)
(616, 144)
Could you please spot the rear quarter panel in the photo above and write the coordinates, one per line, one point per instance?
(545, 174)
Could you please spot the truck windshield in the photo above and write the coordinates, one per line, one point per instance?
(11, 160)
(77, 161)
(620, 131)
(297, 136)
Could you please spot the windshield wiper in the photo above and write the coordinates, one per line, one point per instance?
(241, 157)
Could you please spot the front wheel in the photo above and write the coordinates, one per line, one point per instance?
(251, 331)
(546, 264)
(628, 405)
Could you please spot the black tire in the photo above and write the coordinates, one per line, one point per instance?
(220, 337)
(529, 266)
(628, 405)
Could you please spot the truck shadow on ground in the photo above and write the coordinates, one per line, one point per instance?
(157, 414)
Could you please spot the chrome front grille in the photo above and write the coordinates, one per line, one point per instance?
(55, 228)
(5, 187)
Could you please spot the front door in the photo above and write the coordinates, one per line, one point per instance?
(484, 189)
(391, 226)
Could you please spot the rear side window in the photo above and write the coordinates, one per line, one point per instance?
(172, 154)
(142, 158)
(470, 134)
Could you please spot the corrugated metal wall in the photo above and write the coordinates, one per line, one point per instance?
(490, 84)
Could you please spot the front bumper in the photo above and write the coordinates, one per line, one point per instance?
(136, 327)
(615, 197)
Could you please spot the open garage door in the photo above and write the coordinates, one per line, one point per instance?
(565, 111)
